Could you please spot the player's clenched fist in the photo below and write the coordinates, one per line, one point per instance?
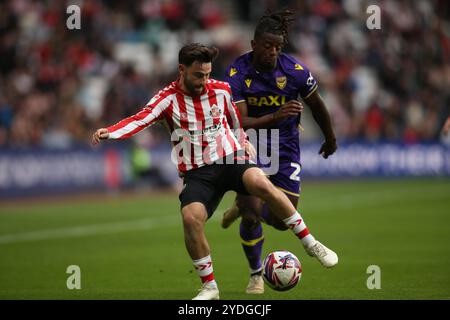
(100, 134)
(328, 148)
(291, 108)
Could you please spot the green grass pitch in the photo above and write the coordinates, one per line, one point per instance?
(133, 247)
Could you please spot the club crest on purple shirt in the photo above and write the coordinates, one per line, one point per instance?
(281, 82)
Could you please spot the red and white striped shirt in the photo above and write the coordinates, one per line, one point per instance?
(199, 125)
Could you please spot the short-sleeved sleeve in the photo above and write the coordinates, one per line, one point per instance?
(306, 82)
(233, 77)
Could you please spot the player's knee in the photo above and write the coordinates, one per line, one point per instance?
(191, 218)
(249, 219)
(247, 211)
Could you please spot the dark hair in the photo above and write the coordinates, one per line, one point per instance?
(275, 23)
(196, 52)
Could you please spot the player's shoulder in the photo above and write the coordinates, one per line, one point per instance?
(163, 95)
(217, 84)
(239, 66)
(168, 90)
(292, 64)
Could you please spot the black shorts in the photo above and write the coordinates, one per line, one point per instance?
(209, 183)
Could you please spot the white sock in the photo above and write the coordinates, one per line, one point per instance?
(205, 270)
(298, 226)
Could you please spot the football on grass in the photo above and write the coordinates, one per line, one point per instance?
(282, 270)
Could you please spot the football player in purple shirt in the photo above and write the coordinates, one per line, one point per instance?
(266, 85)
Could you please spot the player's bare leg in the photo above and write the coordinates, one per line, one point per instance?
(269, 217)
(234, 212)
(230, 215)
(194, 219)
(259, 185)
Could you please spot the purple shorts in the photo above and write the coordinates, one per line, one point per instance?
(287, 178)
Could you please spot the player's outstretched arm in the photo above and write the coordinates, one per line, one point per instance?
(322, 117)
(100, 134)
(130, 126)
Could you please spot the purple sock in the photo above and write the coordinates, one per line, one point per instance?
(252, 241)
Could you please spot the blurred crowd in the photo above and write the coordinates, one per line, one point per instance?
(57, 85)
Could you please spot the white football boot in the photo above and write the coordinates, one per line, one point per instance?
(207, 292)
(255, 285)
(327, 257)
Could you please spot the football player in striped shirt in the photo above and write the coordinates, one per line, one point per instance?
(266, 84)
(200, 115)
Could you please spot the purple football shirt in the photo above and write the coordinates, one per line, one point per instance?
(266, 92)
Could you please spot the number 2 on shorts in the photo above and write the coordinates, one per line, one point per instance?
(295, 175)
